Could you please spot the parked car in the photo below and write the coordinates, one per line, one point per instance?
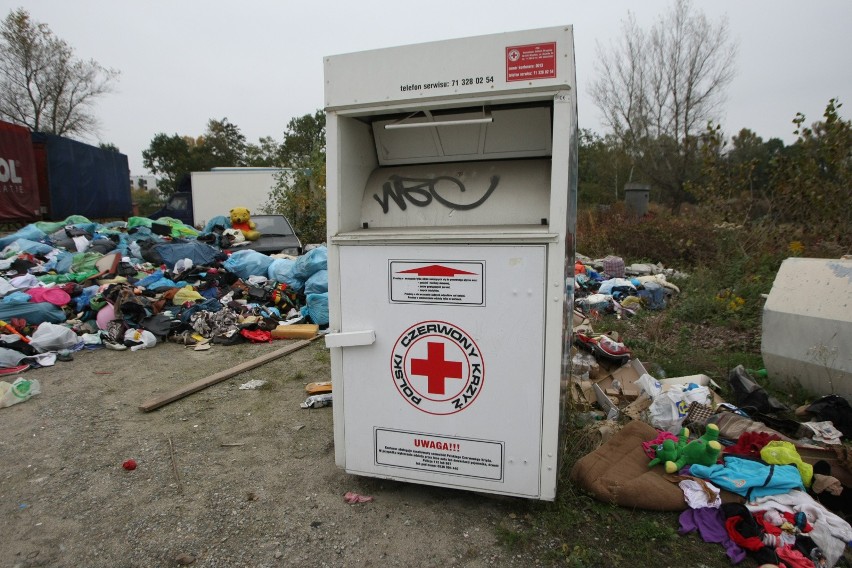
(276, 236)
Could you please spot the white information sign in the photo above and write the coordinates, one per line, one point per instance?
(481, 459)
(437, 282)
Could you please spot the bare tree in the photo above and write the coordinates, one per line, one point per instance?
(659, 88)
(42, 85)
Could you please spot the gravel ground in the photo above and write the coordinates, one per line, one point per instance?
(225, 478)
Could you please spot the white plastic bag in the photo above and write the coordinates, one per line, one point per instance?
(668, 409)
(649, 385)
(53, 337)
(18, 391)
(143, 338)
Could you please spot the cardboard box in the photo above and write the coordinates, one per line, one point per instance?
(582, 391)
(627, 375)
(606, 403)
(635, 409)
(618, 385)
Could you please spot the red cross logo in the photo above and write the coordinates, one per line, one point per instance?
(450, 353)
(436, 368)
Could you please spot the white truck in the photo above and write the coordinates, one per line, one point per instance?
(216, 192)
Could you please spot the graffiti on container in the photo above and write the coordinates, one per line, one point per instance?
(421, 191)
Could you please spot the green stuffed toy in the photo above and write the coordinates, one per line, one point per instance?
(669, 451)
(703, 451)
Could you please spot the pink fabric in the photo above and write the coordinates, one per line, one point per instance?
(650, 448)
(55, 296)
(352, 497)
(792, 558)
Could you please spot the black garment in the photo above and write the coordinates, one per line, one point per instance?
(836, 409)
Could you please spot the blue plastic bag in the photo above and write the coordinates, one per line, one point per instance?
(245, 263)
(309, 264)
(318, 283)
(30, 232)
(316, 308)
(281, 270)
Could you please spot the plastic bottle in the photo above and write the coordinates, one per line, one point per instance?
(18, 391)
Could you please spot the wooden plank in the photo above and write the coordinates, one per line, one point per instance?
(201, 384)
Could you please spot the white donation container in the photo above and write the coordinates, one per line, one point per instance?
(451, 183)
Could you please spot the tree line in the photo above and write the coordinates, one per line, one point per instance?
(660, 91)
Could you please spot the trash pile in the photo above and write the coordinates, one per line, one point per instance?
(607, 286)
(766, 481)
(77, 284)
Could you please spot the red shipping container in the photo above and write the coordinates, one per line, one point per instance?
(19, 199)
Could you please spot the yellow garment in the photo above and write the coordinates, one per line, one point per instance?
(186, 294)
(783, 453)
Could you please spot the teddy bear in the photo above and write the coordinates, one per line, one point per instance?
(241, 219)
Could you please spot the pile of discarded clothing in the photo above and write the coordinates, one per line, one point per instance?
(76, 284)
(763, 480)
(607, 286)
(759, 478)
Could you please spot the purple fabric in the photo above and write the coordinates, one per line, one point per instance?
(710, 524)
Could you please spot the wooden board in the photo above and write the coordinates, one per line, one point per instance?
(157, 402)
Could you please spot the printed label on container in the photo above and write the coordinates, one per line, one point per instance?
(464, 457)
(531, 62)
(437, 282)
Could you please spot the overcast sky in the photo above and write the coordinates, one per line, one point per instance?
(259, 63)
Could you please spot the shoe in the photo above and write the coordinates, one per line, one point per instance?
(183, 338)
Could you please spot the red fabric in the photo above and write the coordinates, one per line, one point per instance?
(767, 526)
(791, 518)
(257, 335)
(792, 558)
(750, 443)
(751, 543)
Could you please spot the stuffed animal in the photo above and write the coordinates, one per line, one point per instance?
(703, 451)
(241, 219)
(666, 452)
(670, 451)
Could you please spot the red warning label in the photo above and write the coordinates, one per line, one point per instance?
(530, 62)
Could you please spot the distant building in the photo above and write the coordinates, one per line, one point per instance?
(143, 182)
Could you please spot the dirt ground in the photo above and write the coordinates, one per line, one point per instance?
(225, 478)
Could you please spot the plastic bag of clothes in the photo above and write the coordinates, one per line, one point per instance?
(316, 308)
(281, 270)
(309, 264)
(668, 409)
(318, 283)
(245, 263)
(52, 337)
